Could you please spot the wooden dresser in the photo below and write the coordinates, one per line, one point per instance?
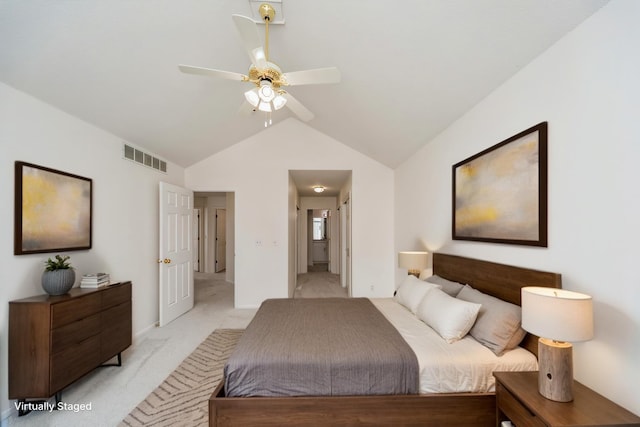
(55, 340)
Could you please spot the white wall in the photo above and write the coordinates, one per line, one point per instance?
(587, 88)
(257, 170)
(125, 207)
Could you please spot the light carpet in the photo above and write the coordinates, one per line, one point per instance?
(319, 285)
(182, 399)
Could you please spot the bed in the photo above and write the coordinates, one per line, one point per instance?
(430, 409)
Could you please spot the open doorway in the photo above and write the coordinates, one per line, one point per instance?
(319, 239)
(318, 228)
(216, 233)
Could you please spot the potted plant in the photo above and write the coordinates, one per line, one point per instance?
(58, 276)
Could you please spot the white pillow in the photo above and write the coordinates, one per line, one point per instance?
(450, 317)
(412, 290)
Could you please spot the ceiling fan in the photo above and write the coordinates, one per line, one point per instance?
(268, 93)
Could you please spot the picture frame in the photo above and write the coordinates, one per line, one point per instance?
(500, 194)
(53, 210)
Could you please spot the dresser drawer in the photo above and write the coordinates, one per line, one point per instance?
(514, 410)
(72, 334)
(74, 309)
(116, 295)
(70, 364)
(116, 330)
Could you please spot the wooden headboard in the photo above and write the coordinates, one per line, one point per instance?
(500, 280)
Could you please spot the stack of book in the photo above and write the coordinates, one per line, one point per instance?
(94, 280)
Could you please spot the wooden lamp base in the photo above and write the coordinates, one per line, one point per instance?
(555, 375)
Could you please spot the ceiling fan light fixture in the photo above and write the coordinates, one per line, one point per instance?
(265, 106)
(279, 101)
(266, 92)
(252, 97)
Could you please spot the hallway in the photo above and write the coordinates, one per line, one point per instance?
(319, 284)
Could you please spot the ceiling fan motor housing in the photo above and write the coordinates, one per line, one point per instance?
(272, 73)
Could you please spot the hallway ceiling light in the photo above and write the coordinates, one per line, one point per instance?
(318, 188)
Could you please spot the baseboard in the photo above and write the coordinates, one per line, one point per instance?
(138, 335)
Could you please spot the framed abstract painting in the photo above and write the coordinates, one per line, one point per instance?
(500, 194)
(52, 210)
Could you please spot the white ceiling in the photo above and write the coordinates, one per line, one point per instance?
(409, 68)
(332, 180)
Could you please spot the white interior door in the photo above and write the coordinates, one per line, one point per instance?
(221, 240)
(176, 252)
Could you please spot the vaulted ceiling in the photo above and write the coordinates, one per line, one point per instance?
(409, 68)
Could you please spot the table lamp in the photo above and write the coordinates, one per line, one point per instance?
(558, 317)
(413, 261)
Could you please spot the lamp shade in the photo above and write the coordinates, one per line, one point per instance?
(557, 314)
(413, 260)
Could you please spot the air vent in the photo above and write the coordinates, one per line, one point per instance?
(145, 159)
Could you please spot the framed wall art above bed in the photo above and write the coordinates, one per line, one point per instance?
(500, 194)
(52, 210)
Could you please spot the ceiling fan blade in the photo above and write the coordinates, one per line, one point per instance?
(251, 40)
(300, 110)
(229, 75)
(313, 77)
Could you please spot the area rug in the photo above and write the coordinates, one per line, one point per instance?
(182, 399)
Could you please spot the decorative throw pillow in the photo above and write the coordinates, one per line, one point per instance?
(451, 288)
(451, 318)
(411, 292)
(498, 326)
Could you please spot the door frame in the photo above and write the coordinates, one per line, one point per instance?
(346, 252)
(199, 261)
(217, 253)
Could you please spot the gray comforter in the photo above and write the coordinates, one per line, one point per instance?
(320, 347)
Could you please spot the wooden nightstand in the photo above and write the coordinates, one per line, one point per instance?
(518, 401)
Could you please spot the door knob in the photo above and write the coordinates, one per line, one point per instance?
(167, 261)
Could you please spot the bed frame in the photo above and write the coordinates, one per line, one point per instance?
(448, 409)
